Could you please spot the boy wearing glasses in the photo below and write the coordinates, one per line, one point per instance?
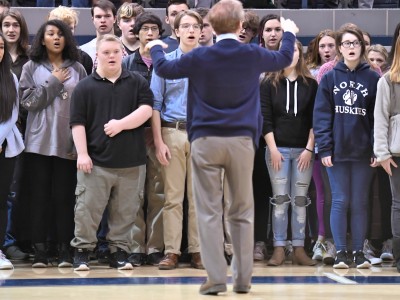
(147, 27)
(173, 148)
(249, 27)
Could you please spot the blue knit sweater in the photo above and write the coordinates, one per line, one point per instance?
(224, 94)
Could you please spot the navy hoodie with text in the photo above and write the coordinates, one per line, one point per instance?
(343, 119)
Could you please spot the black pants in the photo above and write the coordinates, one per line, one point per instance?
(52, 182)
(6, 175)
(262, 191)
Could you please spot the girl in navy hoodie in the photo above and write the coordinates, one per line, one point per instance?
(287, 102)
(343, 128)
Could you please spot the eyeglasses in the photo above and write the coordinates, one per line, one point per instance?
(186, 26)
(246, 29)
(347, 44)
(146, 29)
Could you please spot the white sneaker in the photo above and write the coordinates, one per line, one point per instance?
(288, 250)
(319, 250)
(259, 251)
(368, 248)
(387, 251)
(330, 253)
(374, 260)
(5, 264)
(369, 253)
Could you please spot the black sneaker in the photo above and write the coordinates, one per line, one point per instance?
(15, 253)
(65, 259)
(52, 251)
(81, 260)
(341, 260)
(153, 259)
(138, 259)
(360, 260)
(40, 260)
(119, 260)
(103, 256)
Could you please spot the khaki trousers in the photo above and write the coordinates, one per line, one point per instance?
(235, 155)
(117, 189)
(176, 175)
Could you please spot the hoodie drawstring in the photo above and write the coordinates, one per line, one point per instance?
(288, 96)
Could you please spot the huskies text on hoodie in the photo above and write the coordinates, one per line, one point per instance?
(344, 113)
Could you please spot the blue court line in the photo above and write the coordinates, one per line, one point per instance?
(157, 281)
(375, 279)
(189, 280)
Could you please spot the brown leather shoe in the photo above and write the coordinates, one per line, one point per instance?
(277, 258)
(169, 262)
(196, 261)
(301, 258)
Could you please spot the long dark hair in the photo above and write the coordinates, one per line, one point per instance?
(264, 20)
(38, 51)
(8, 91)
(23, 41)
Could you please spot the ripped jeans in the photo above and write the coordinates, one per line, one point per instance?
(289, 185)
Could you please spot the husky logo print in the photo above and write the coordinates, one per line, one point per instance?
(349, 97)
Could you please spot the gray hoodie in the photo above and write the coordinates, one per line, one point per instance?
(47, 101)
(387, 105)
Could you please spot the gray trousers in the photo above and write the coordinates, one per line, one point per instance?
(234, 155)
(120, 190)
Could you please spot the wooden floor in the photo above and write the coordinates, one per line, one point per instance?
(286, 282)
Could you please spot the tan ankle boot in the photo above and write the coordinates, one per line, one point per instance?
(300, 257)
(277, 258)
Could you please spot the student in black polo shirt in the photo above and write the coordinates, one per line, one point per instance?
(108, 110)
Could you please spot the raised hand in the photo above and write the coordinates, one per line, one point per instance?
(152, 43)
(289, 26)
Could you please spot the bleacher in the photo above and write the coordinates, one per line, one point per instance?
(380, 23)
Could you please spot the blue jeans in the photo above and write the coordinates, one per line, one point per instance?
(289, 185)
(395, 187)
(350, 184)
(9, 239)
(51, 3)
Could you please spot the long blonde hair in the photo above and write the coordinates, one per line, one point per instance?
(395, 68)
